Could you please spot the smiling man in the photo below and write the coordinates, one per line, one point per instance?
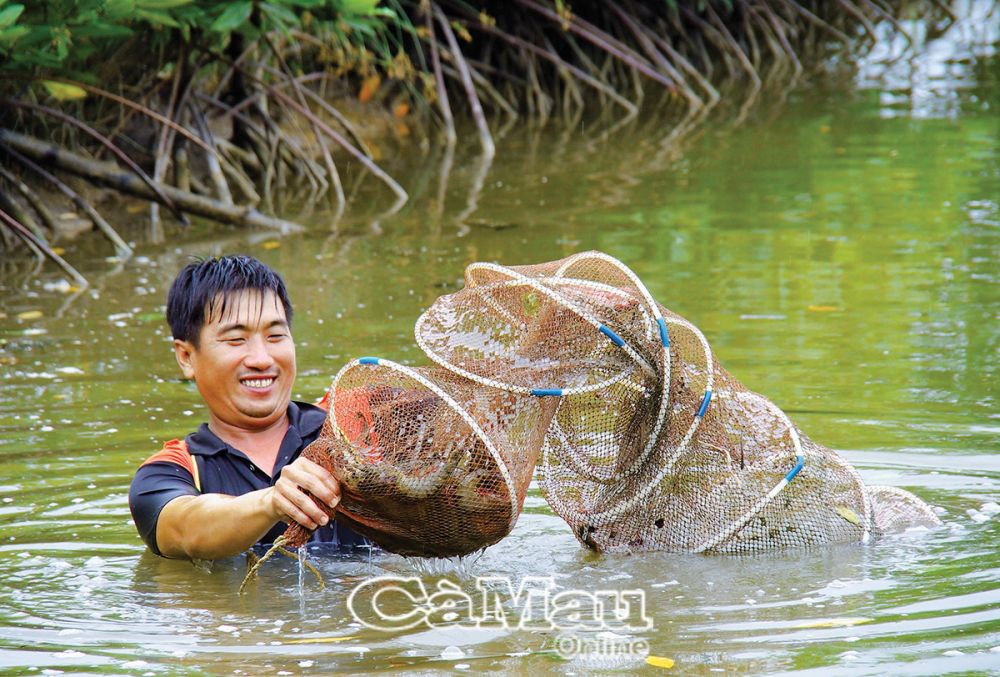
(231, 483)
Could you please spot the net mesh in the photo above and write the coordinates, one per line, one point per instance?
(429, 463)
(642, 440)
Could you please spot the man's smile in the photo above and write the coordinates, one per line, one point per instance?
(258, 382)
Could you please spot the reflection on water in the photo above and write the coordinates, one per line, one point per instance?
(921, 76)
(840, 252)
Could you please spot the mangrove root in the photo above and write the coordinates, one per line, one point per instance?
(128, 183)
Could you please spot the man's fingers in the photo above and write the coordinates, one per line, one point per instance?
(308, 475)
(301, 488)
(292, 502)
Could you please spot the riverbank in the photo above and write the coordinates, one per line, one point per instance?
(244, 110)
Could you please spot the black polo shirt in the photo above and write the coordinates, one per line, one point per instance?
(202, 463)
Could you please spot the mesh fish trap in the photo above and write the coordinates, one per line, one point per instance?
(643, 440)
(429, 463)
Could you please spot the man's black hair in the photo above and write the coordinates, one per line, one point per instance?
(201, 284)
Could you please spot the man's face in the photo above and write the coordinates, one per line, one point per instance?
(244, 365)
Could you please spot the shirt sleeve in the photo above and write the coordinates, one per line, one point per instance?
(157, 482)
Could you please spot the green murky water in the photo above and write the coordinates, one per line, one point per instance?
(840, 250)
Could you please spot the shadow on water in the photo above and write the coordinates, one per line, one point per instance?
(839, 251)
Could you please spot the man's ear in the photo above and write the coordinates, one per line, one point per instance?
(184, 352)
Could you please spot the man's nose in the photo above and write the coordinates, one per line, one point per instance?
(258, 354)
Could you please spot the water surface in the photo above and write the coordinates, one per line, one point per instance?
(839, 250)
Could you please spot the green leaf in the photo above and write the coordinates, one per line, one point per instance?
(364, 26)
(363, 7)
(232, 17)
(9, 36)
(161, 4)
(157, 17)
(102, 30)
(8, 16)
(61, 91)
(119, 10)
(61, 43)
(280, 15)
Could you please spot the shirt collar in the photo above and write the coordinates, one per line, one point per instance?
(305, 418)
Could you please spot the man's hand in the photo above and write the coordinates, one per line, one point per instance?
(211, 526)
(289, 500)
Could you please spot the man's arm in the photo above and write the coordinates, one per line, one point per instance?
(211, 526)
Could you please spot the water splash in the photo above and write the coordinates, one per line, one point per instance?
(301, 554)
(461, 567)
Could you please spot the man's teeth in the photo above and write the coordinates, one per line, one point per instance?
(259, 382)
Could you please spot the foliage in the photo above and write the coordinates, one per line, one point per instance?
(62, 35)
(213, 92)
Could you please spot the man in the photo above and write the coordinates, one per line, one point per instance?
(234, 481)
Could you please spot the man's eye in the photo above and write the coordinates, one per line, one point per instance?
(277, 337)
(235, 341)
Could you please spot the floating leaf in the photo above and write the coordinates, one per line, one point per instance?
(320, 640)
(823, 309)
(60, 91)
(271, 244)
(400, 110)
(660, 661)
(29, 315)
(58, 251)
(834, 622)
(848, 515)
